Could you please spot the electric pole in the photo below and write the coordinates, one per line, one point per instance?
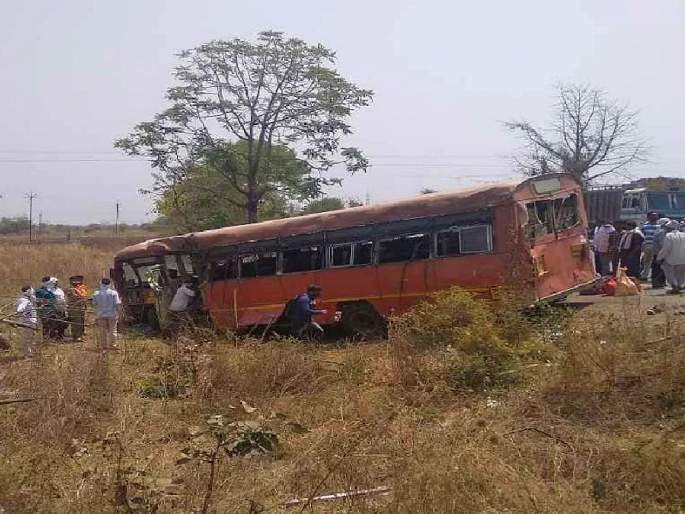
(116, 220)
(31, 196)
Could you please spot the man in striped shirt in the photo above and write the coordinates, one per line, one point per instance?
(648, 230)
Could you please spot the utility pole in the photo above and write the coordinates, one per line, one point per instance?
(116, 220)
(31, 196)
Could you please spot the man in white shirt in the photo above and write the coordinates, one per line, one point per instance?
(672, 257)
(183, 297)
(107, 306)
(600, 242)
(27, 316)
(178, 308)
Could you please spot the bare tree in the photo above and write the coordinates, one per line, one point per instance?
(592, 136)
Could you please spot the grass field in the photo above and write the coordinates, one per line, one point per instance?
(465, 408)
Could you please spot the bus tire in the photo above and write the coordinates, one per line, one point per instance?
(361, 321)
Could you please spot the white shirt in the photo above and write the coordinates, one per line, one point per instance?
(184, 295)
(601, 238)
(61, 299)
(106, 301)
(673, 251)
(26, 311)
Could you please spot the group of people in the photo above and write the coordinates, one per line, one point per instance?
(653, 251)
(51, 311)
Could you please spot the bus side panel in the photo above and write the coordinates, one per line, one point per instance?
(400, 285)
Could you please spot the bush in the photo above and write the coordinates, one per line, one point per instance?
(454, 336)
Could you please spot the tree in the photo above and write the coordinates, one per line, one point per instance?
(204, 199)
(236, 102)
(329, 203)
(592, 136)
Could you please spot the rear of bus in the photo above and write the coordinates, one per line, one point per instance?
(555, 230)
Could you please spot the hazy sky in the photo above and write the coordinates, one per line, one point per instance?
(77, 74)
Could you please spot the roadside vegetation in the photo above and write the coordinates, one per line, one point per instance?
(466, 407)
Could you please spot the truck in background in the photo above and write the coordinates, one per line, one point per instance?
(632, 201)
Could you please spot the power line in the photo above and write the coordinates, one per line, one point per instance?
(16, 161)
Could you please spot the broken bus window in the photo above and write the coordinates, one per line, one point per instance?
(404, 248)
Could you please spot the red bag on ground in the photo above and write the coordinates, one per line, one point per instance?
(609, 286)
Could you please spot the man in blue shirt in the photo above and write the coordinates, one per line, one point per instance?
(648, 230)
(302, 311)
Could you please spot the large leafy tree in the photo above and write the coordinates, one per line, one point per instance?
(206, 198)
(236, 103)
(591, 136)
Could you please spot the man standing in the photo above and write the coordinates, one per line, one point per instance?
(630, 249)
(672, 257)
(648, 230)
(77, 297)
(107, 306)
(658, 277)
(28, 319)
(50, 308)
(302, 310)
(600, 242)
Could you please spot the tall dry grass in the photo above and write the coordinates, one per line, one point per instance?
(26, 264)
(593, 421)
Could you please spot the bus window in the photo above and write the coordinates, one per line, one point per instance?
(187, 264)
(566, 212)
(302, 259)
(130, 277)
(448, 242)
(540, 218)
(341, 255)
(404, 248)
(171, 265)
(222, 269)
(475, 239)
(363, 253)
(258, 264)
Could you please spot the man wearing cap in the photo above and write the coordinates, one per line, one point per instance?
(77, 298)
(672, 257)
(302, 312)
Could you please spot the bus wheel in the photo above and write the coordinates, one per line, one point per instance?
(360, 320)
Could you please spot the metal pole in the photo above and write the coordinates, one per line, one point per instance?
(116, 221)
(31, 196)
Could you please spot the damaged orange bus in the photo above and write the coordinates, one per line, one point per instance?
(376, 261)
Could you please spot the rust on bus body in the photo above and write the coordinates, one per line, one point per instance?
(550, 264)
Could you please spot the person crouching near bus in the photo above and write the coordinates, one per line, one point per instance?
(27, 317)
(304, 308)
(107, 309)
(672, 257)
(77, 297)
(181, 306)
(658, 277)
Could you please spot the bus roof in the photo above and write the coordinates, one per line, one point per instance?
(433, 204)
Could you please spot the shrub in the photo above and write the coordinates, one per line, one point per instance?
(462, 333)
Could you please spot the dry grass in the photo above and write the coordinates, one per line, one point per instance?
(593, 422)
(26, 264)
